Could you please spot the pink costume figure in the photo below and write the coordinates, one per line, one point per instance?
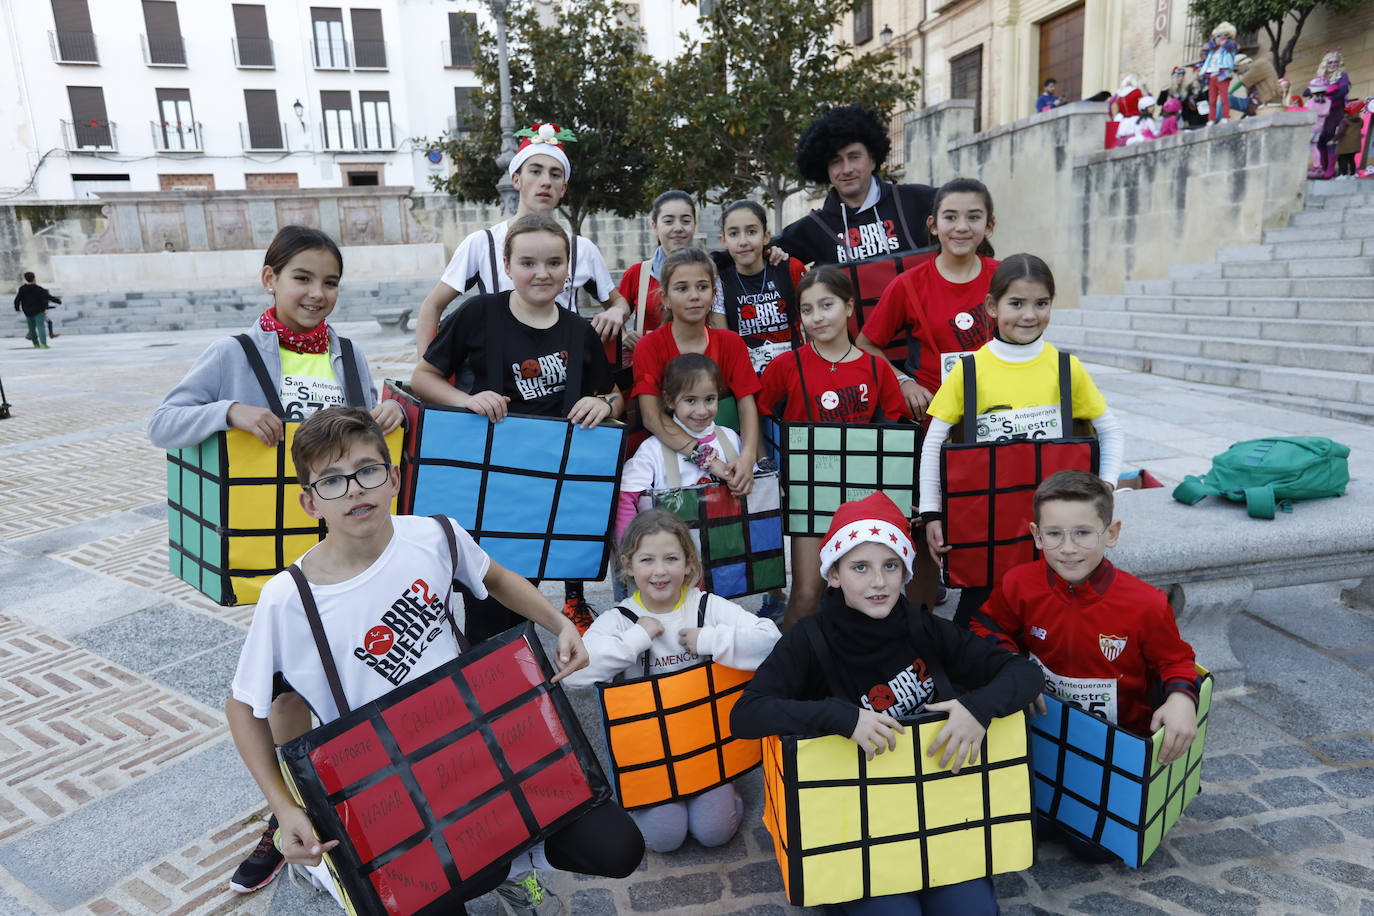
(1319, 102)
(1332, 123)
(1218, 65)
(1168, 126)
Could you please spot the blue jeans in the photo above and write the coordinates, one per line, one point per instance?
(712, 817)
(971, 898)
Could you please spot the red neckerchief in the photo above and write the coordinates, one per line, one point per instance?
(316, 341)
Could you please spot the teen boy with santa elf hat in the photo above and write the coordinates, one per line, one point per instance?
(867, 658)
(539, 171)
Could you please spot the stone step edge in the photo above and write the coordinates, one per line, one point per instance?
(1356, 349)
(1085, 351)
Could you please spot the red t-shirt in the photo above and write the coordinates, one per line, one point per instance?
(948, 320)
(655, 351)
(864, 390)
(653, 312)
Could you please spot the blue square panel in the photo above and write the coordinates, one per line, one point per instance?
(1045, 757)
(1077, 815)
(1121, 840)
(454, 435)
(1083, 777)
(594, 452)
(1129, 752)
(575, 559)
(584, 507)
(1044, 795)
(729, 581)
(765, 534)
(447, 490)
(534, 445)
(515, 503)
(522, 556)
(1088, 733)
(1123, 797)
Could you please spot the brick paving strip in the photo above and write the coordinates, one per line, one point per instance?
(120, 792)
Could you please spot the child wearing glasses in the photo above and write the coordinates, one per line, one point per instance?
(1106, 641)
(370, 571)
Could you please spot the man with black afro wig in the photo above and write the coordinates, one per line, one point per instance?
(862, 217)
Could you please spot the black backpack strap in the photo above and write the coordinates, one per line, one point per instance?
(495, 359)
(312, 614)
(634, 618)
(970, 422)
(572, 275)
(353, 383)
(572, 390)
(491, 257)
(801, 377)
(732, 304)
(459, 636)
(269, 391)
(826, 660)
(901, 215)
(1065, 395)
(701, 610)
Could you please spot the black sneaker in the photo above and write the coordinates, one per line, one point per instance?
(261, 866)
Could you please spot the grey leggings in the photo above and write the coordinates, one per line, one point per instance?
(712, 817)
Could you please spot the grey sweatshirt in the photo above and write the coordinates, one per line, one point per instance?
(199, 405)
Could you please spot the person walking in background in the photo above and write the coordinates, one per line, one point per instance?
(33, 300)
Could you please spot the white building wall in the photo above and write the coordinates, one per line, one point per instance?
(35, 161)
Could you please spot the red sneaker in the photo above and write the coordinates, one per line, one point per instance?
(579, 612)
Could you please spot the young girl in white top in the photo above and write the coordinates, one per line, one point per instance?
(658, 557)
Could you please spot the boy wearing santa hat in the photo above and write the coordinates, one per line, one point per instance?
(867, 658)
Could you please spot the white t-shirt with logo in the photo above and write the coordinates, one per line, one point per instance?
(384, 626)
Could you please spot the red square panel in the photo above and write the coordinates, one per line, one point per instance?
(454, 775)
(1013, 514)
(485, 835)
(411, 880)
(378, 818)
(1015, 465)
(556, 790)
(1066, 456)
(346, 759)
(427, 715)
(529, 732)
(503, 675)
(1010, 555)
(968, 519)
(721, 503)
(967, 566)
(872, 278)
(968, 470)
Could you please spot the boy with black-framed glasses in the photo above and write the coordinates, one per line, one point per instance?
(1107, 641)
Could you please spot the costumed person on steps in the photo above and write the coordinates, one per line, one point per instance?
(343, 586)
(1060, 608)
(689, 283)
(527, 355)
(1331, 69)
(1319, 102)
(1184, 88)
(287, 366)
(1124, 107)
(833, 674)
(1217, 66)
(669, 624)
(861, 217)
(1018, 386)
(827, 380)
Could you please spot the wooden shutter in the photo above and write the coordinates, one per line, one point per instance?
(164, 32)
(966, 82)
(90, 123)
(863, 22)
(264, 123)
(462, 35)
(251, 37)
(1061, 54)
(369, 48)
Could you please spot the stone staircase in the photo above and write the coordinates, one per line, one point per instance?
(187, 309)
(1291, 319)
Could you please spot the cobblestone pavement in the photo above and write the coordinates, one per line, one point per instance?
(122, 793)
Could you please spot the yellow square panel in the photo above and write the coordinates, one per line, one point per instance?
(1009, 791)
(254, 507)
(825, 759)
(956, 800)
(957, 856)
(293, 516)
(248, 457)
(892, 809)
(253, 552)
(924, 738)
(1007, 738)
(898, 763)
(294, 546)
(248, 588)
(833, 877)
(828, 816)
(1013, 846)
(895, 868)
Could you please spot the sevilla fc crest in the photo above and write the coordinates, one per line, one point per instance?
(1111, 646)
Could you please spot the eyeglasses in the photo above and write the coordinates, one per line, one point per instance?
(336, 485)
(1053, 538)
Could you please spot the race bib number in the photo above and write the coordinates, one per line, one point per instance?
(1040, 422)
(302, 395)
(949, 360)
(764, 353)
(1096, 695)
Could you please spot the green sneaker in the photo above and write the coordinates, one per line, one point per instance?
(526, 895)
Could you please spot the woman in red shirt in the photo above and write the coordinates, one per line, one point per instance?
(828, 380)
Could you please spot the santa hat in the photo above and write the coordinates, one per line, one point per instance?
(543, 140)
(872, 520)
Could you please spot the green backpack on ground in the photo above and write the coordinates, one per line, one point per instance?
(1267, 474)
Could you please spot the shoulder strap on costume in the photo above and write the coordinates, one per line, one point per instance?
(491, 257)
(826, 660)
(634, 618)
(642, 302)
(726, 448)
(312, 614)
(816, 215)
(269, 391)
(801, 378)
(970, 422)
(572, 388)
(452, 537)
(901, 215)
(495, 360)
(353, 383)
(670, 467)
(1065, 394)
(701, 610)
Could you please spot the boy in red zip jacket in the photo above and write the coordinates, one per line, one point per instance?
(1103, 638)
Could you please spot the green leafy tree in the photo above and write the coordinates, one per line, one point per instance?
(731, 107)
(583, 70)
(1273, 17)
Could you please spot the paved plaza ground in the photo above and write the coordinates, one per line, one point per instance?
(120, 791)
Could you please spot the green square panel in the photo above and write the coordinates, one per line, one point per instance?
(209, 502)
(798, 469)
(771, 570)
(190, 538)
(210, 549)
(173, 525)
(827, 468)
(209, 455)
(898, 467)
(190, 495)
(861, 469)
(685, 504)
(173, 483)
(190, 573)
(174, 561)
(797, 499)
(828, 499)
(862, 439)
(798, 437)
(827, 438)
(798, 521)
(853, 494)
(726, 541)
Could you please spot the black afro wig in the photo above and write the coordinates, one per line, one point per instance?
(832, 132)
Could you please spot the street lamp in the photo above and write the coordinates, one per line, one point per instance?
(299, 109)
(510, 200)
(885, 36)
